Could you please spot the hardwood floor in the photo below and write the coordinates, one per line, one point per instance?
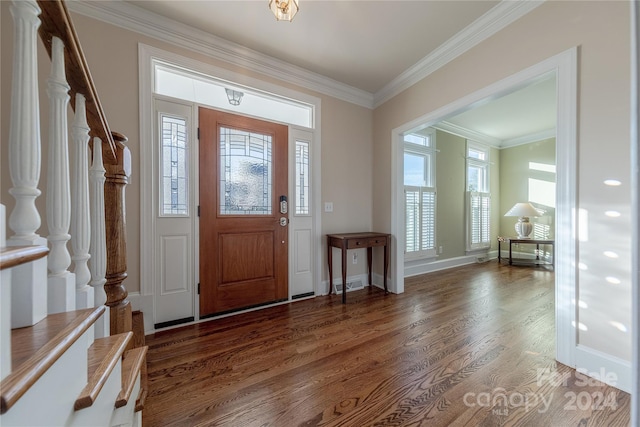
(472, 346)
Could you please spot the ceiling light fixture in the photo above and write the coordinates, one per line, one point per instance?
(284, 10)
(234, 96)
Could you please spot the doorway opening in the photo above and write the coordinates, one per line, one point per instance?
(564, 66)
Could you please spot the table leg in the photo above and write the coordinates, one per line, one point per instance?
(344, 274)
(499, 252)
(386, 266)
(510, 256)
(369, 259)
(330, 258)
(538, 252)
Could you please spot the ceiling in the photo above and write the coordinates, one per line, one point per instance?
(365, 45)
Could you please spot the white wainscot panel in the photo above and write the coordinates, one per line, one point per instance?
(175, 267)
(302, 251)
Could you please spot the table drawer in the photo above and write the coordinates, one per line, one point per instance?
(377, 241)
(357, 243)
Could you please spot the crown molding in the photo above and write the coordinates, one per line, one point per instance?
(498, 143)
(133, 18)
(498, 17)
(527, 139)
(468, 134)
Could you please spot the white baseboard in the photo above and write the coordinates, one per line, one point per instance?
(414, 268)
(604, 367)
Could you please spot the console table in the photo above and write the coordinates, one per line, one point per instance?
(348, 241)
(536, 242)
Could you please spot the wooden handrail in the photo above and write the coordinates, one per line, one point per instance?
(131, 369)
(56, 21)
(13, 256)
(104, 355)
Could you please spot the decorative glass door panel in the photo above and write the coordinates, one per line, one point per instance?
(245, 172)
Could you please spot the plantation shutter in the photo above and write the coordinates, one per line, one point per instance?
(412, 219)
(420, 220)
(479, 220)
(428, 232)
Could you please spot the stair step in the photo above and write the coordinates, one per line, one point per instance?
(12, 256)
(131, 367)
(103, 355)
(36, 348)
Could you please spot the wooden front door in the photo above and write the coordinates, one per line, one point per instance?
(243, 233)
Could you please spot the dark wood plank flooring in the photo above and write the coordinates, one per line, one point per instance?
(472, 346)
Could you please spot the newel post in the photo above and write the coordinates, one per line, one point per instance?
(117, 177)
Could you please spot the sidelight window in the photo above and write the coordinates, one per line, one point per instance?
(174, 163)
(478, 197)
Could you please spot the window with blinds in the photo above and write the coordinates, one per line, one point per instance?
(420, 194)
(478, 197)
(420, 217)
(479, 220)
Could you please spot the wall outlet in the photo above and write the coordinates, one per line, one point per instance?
(355, 258)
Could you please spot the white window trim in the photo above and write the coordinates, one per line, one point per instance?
(477, 146)
(479, 192)
(429, 184)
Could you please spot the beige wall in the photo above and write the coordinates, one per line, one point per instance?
(450, 184)
(112, 55)
(520, 181)
(495, 175)
(601, 32)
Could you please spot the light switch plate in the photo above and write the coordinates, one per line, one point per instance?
(328, 206)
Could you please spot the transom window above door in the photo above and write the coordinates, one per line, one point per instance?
(207, 90)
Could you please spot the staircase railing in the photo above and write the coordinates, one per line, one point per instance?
(56, 22)
(96, 218)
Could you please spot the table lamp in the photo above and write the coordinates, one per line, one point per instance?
(523, 211)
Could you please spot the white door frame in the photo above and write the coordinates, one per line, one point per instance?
(144, 300)
(564, 65)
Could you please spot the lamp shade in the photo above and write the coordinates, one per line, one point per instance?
(522, 209)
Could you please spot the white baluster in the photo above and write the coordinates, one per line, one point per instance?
(61, 281)
(98, 249)
(80, 227)
(29, 287)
